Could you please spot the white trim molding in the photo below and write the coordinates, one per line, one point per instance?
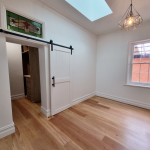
(7, 130)
(18, 96)
(143, 86)
(46, 112)
(124, 100)
(83, 98)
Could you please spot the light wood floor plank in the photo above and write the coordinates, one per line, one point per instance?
(95, 124)
(62, 138)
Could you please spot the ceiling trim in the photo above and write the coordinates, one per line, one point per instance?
(115, 30)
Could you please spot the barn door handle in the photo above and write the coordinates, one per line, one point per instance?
(53, 81)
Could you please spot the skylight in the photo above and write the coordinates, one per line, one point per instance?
(92, 9)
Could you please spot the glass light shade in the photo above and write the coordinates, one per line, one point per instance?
(131, 20)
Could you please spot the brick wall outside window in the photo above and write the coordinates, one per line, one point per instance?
(140, 71)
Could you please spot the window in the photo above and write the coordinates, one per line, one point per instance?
(139, 64)
(23, 25)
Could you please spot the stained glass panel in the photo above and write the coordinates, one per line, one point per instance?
(23, 25)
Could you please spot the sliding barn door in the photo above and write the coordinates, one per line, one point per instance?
(60, 79)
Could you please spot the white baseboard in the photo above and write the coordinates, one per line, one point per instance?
(7, 130)
(81, 99)
(18, 96)
(124, 100)
(46, 112)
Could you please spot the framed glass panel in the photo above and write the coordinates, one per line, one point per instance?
(144, 77)
(136, 68)
(137, 54)
(149, 74)
(144, 68)
(23, 25)
(135, 77)
(141, 53)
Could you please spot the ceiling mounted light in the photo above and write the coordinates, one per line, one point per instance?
(131, 19)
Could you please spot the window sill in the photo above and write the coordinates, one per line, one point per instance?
(141, 86)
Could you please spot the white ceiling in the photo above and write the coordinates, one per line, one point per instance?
(105, 24)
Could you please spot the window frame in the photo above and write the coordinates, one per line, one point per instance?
(130, 64)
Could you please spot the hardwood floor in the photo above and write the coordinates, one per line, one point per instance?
(95, 124)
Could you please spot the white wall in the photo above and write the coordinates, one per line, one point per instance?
(112, 59)
(65, 32)
(15, 70)
(6, 122)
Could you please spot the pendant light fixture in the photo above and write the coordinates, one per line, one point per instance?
(131, 19)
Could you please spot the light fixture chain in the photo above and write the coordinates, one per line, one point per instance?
(131, 6)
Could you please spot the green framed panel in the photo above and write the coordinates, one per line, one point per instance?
(23, 25)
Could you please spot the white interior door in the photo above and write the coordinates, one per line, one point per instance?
(60, 79)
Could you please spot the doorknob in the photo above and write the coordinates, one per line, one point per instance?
(53, 81)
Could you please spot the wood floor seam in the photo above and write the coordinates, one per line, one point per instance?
(95, 124)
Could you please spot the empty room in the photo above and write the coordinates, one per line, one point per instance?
(75, 75)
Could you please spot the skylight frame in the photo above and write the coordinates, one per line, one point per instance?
(91, 9)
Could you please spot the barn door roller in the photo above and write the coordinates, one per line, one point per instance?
(51, 42)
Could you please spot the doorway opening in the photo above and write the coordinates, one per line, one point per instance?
(31, 70)
(24, 73)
